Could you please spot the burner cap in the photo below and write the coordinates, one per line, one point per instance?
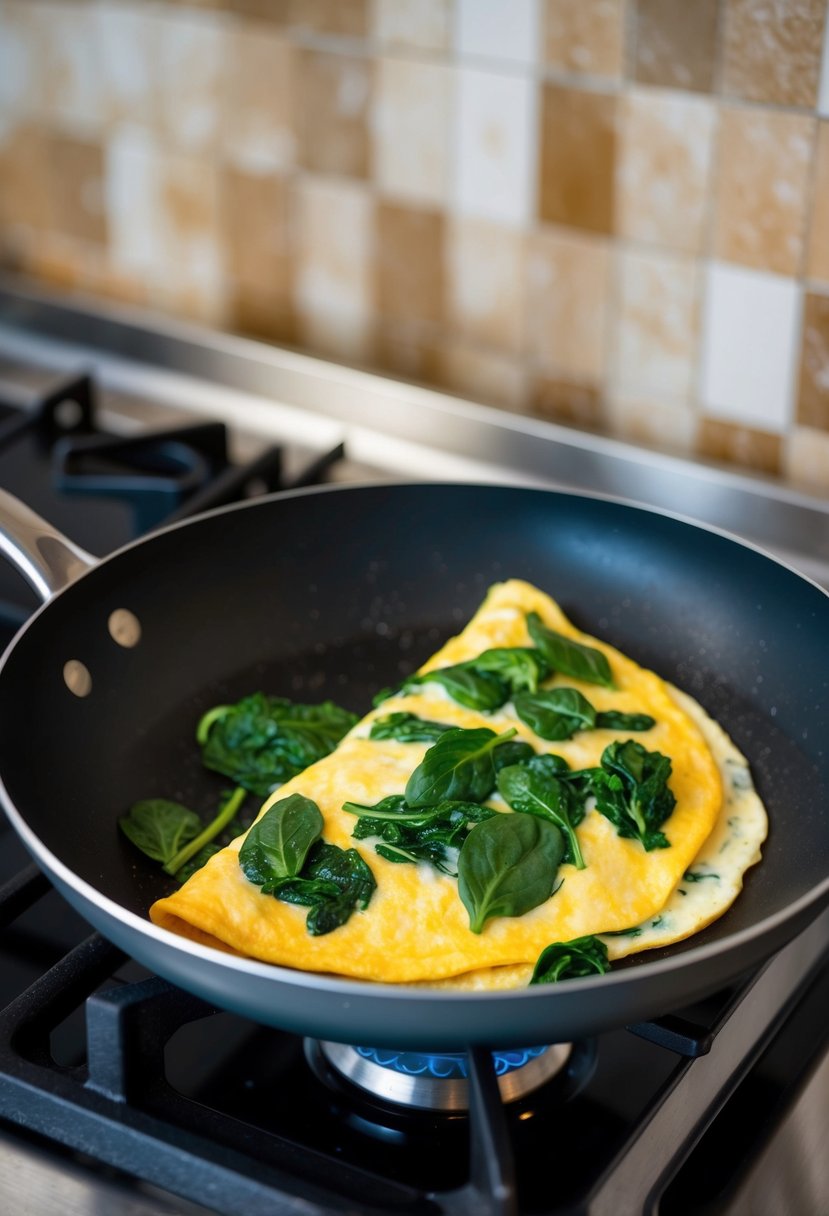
(438, 1080)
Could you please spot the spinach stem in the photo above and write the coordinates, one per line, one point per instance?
(207, 720)
(213, 828)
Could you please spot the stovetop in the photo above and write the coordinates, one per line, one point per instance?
(119, 1093)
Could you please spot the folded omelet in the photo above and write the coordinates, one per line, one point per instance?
(415, 928)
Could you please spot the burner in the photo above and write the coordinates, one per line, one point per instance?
(437, 1081)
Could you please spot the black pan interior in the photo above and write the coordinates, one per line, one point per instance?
(335, 593)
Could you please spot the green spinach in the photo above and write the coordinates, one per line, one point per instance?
(276, 846)
(333, 883)
(555, 713)
(481, 690)
(459, 767)
(407, 728)
(533, 789)
(632, 791)
(520, 667)
(569, 657)
(173, 834)
(507, 865)
(575, 959)
(431, 834)
(612, 719)
(261, 741)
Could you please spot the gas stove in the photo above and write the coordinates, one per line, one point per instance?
(121, 1093)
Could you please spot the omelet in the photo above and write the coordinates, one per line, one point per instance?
(415, 929)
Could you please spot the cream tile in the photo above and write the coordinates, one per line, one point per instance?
(823, 88)
(126, 42)
(650, 421)
(664, 168)
(568, 302)
(420, 24)
(675, 43)
(342, 18)
(71, 97)
(191, 76)
(258, 115)
(334, 100)
(192, 281)
(772, 51)
(498, 29)
(333, 231)
(20, 61)
(483, 375)
(761, 188)
(806, 459)
(658, 325)
(495, 141)
(411, 129)
(751, 326)
(485, 287)
(585, 36)
(132, 176)
(817, 260)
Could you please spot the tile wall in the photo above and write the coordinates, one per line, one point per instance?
(610, 213)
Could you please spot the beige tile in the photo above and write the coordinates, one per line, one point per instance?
(664, 168)
(675, 43)
(568, 301)
(813, 395)
(192, 54)
(258, 115)
(258, 251)
(485, 283)
(278, 12)
(409, 349)
(729, 443)
(772, 51)
(806, 459)
(577, 158)
(76, 198)
(585, 36)
(657, 326)
(192, 279)
(127, 42)
(483, 375)
(411, 130)
(332, 285)
(417, 24)
(761, 188)
(567, 401)
(410, 263)
(262, 312)
(817, 260)
(332, 119)
(651, 422)
(21, 60)
(24, 174)
(346, 18)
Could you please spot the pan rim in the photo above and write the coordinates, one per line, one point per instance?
(349, 986)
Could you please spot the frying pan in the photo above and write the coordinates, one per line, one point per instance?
(336, 592)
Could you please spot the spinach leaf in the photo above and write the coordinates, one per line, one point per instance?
(697, 876)
(507, 865)
(514, 751)
(572, 658)
(632, 791)
(520, 667)
(459, 767)
(534, 790)
(407, 728)
(262, 741)
(332, 884)
(159, 827)
(432, 834)
(473, 689)
(555, 713)
(612, 719)
(571, 960)
(174, 835)
(277, 845)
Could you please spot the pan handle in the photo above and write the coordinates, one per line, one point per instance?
(44, 556)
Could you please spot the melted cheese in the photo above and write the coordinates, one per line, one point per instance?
(416, 928)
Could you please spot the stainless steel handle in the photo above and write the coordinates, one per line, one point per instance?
(43, 555)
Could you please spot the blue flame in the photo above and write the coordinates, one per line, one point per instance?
(445, 1065)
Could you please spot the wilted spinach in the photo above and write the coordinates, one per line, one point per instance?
(332, 883)
(262, 741)
(632, 791)
(432, 834)
(507, 865)
(534, 789)
(458, 767)
(612, 719)
(571, 960)
(481, 690)
(569, 657)
(407, 728)
(276, 846)
(520, 667)
(555, 713)
(171, 833)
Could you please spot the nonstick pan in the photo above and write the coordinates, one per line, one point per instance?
(335, 592)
